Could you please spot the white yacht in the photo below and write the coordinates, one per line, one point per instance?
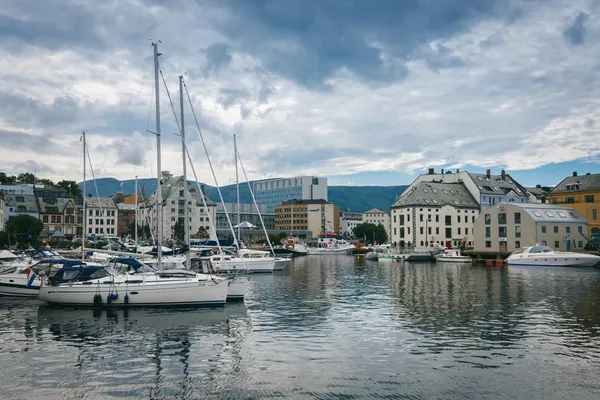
(330, 245)
(453, 256)
(246, 260)
(545, 256)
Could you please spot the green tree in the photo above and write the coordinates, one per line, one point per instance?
(46, 182)
(26, 178)
(72, 187)
(24, 228)
(202, 233)
(370, 233)
(179, 230)
(7, 179)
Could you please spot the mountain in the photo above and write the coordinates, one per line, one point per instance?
(355, 198)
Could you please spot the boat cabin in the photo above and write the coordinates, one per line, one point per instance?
(80, 273)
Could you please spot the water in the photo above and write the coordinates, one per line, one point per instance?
(329, 327)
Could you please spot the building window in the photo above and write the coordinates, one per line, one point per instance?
(580, 229)
(421, 230)
(58, 219)
(466, 231)
(437, 217)
(517, 231)
(580, 243)
(555, 201)
(543, 228)
(517, 218)
(448, 220)
(544, 243)
(459, 230)
(458, 219)
(555, 229)
(488, 232)
(53, 219)
(517, 244)
(488, 219)
(502, 219)
(570, 199)
(401, 220)
(45, 219)
(594, 214)
(437, 230)
(408, 218)
(448, 233)
(488, 244)
(394, 219)
(568, 229)
(502, 232)
(556, 244)
(589, 198)
(421, 217)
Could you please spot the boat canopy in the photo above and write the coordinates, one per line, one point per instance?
(540, 249)
(80, 273)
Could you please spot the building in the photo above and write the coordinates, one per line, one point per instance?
(348, 221)
(1, 211)
(175, 195)
(433, 212)
(581, 193)
(486, 189)
(19, 199)
(59, 211)
(508, 227)
(125, 219)
(316, 216)
(102, 216)
(537, 194)
(376, 216)
(272, 192)
(248, 213)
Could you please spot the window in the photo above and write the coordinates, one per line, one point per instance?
(502, 232)
(421, 217)
(555, 201)
(568, 229)
(570, 199)
(448, 220)
(561, 214)
(401, 220)
(544, 243)
(58, 218)
(580, 243)
(458, 219)
(459, 230)
(589, 198)
(543, 228)
(437, 230)
(556, 244)
(555, 229)
(466, 231)
(45, 219)
(488, 244)
(473, 219)
(550, 214)
(488, 232)
(488, 219)
(517, 218)
(580, 229)
(421, 230)
(594, 214)
(448, 233)
(502, 219)
(53, 219)
(517, 231)
(437, 218)
(429, 230)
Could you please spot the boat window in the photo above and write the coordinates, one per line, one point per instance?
(70, 275)
(101, 273)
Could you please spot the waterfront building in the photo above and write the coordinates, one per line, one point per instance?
(19, 199)
(433, 212)
(348, 221)
(102, 215)
(376, 216)
(581, 193)
(537, 194)
(272, 192)
(316, 216)
(1, 211)
(248, 213)
(59, 211)
(486, 189)
(508, 227)
(176, 195)
(125, 219)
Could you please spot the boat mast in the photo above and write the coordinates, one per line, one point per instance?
(237, 189)
(84, 230)
(136, 214)
(159, 226)
(186, 225)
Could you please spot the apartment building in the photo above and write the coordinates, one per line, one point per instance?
(376, 216)
(102, 216)
(272, 192)
(316, 216)
(348, 221)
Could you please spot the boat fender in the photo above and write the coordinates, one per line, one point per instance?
(126, 299)
(97, 299)
(108, 299)
(114, 296)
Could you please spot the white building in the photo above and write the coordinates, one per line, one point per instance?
(175, 196)
(429, 212)
(19, 199)
(348, 221)
(272, 192)
(102, 216)
(376, 216)
(486, 189)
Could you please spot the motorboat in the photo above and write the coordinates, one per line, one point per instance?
(390, 257)
(293, 247)
(245, 260)
(545, 256)
(372, 255)
(419, 255)
(85, 285)
(24, 281)
(330, 246)
(453, 256)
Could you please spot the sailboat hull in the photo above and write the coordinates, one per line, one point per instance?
(15, 285)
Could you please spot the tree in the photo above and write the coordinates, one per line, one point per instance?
(24, 228)
(46, 182)
(371, 232)
(26, 178)
(179, 230)
(7, 179)
(202, 233)
(72, 187)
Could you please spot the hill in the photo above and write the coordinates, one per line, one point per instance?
(355, 198)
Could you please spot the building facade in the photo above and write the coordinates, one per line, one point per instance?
(125, 219)
(431, 212)
(316, 216)
(348, 221)
(59, 211)
(176, 195)
(508, 227)
(1, 211)
(486, 189)
(272, 192)
(102, 216)
(376, 216)
(581, 193)
(19, 199)
(248, 213)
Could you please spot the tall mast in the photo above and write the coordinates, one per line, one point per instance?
(237, 189)
(186, 225)
(136, 214)
(84, 230)
(159, 227)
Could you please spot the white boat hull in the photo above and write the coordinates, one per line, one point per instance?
(313, 251)
(455, 259)
(151, 293)
(281, 263)
(554, 260)
(15, 285)
(246, 265)
(237, 288)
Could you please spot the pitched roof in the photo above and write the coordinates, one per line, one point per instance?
(59, 204)
(435, 194)
(170, 188)
(536, 191)
(494, 184)
(126, 207)
(584, 182)
(550, 213)
(375, 211)
(100, 202)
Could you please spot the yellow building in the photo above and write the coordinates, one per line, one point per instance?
(581, 193)
(317, 216)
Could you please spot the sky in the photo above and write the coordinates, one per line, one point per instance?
(364, 92)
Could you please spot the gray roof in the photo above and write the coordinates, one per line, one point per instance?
(550, 213)
(586, 182)
(170, 188)
(126, 207)
(30, 206)
(375, 211)
(494, 184)
(60, 203)
(536, 191)
(435, 194)
(100, 202)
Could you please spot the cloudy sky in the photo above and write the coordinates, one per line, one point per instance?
(362, 91)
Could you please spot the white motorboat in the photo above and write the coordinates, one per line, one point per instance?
(329, 245)
(85, 285)
(282, 261)
(453, 256)
(545, 256)
(246, 261)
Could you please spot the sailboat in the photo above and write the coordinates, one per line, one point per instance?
(84, 285)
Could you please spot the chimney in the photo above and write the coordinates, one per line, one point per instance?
(487, 173)
(575, 173)
(119, 198)
(503, 175)
(430, 171)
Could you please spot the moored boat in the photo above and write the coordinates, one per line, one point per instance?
(453, 256)
(545, 256)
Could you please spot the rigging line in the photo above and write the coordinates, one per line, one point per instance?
(254, 201)
(87, 150)
(211, 167)
(170, 100)
(137, 100)
(146, 131)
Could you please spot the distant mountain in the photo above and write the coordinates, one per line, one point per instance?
(355, 198)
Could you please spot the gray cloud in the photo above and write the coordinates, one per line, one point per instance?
(217, 57)
(575, 31)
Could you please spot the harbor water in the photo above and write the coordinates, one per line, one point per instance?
(327, 327)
